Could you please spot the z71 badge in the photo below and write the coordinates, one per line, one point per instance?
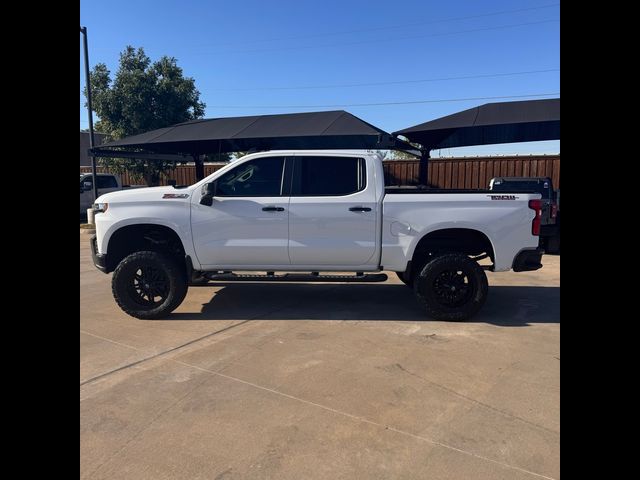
(503, 197)
(175, 195)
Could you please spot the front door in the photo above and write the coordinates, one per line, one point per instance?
(332, 212)
(247, 224)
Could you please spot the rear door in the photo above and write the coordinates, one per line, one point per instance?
(247, 224)
(332, 212)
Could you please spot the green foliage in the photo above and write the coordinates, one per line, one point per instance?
(148, 171)
(383, 153)
(237, 155)
(142, 96)
(399, 155)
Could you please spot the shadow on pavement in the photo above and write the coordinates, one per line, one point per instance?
(508, 306)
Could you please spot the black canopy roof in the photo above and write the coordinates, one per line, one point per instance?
(503, 122)
(311, 130)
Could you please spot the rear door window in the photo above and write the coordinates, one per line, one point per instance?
(328, 176)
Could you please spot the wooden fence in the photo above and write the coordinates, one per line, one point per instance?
(183, 174)
(443, 172)
(473, 172)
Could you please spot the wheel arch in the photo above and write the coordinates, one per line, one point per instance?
(131, 238)
(451, 287)
(470, 241)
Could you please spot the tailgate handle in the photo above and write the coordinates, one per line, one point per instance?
(359, 209)
(272, 209)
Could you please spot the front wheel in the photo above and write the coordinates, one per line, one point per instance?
(149, 285)
(451, 287)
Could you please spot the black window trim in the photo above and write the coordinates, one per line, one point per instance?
(296, 181)
(287, 177)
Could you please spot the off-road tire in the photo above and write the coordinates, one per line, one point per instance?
(164, 276)
(452, 287)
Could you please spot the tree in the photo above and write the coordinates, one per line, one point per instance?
(383, 153)
(400, 155)
(143, 96)
(217, 157)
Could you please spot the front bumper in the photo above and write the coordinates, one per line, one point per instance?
(528, 260)
(99, 259)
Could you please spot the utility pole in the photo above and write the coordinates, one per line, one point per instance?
(83, 30)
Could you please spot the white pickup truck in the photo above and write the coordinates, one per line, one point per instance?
(311, 211)
(107, 183)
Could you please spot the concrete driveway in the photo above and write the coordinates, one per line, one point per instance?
(321, 381)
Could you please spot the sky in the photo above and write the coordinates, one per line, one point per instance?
(253, 57)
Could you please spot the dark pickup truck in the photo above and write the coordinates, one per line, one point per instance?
(550, 221)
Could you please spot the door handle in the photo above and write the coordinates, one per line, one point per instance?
(359, 209)
(272, 209)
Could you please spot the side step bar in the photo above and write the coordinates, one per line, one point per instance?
(289, 277)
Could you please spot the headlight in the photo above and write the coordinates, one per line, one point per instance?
(100, 207)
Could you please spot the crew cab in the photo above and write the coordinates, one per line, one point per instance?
(311, 213)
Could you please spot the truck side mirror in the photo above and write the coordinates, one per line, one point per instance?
(87, 185)
(208, 192)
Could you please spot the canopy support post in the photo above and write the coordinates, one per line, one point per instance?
(423, 176)
(199, 167)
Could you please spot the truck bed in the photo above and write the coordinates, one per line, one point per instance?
(414, 190)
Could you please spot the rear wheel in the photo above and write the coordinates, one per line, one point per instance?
(451, 287)
(149, 284)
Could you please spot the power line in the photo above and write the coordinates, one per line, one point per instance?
(397, 82)
(394, 39)
(405, 25)
(385, 103)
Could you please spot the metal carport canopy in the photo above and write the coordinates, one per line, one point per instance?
(502, 122)
(310, 130)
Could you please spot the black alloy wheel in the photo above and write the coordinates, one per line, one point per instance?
(451, 287)
(149, 284)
